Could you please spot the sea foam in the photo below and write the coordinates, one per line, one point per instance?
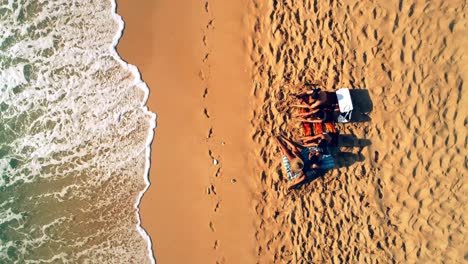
(75, 136)
(149, 139)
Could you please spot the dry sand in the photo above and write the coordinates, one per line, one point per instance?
(400, 199)
(399, 193)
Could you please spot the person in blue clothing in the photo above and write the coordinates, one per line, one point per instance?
(300, 162)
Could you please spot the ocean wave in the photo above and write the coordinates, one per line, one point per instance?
(74, 136)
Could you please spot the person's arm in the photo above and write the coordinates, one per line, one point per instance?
(312, 138)
(305, 114)
(293, 147)
(283, 148)
(291, 152)
(315, 104)
(301, 106)
(305, 120)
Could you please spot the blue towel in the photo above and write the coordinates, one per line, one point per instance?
(327, 162)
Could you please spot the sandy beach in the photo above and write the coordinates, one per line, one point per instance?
(220, 74)
(198, 209)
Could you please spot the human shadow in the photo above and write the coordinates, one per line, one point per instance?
(348, 157)
(362, 105)
(361, 100)
(351, 141)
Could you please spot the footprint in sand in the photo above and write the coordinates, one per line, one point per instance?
(218, 172)
(215, 161)
(205, 111)
(210, 153)
(376, 156)
(206, 57)
(211, 190)
(201, 75)
(217, 206)
(222, 261)
(210, 24)
(211, 225)
(210, 134)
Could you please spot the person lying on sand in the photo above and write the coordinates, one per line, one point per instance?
(317, 99)
(319, 116)
(315, 105)
(299, 161)
(320, 140)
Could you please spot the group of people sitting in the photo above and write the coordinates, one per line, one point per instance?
(308, 160)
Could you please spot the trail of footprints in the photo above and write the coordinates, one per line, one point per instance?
(204, 75)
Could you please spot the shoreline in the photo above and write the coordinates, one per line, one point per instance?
(216, 197)
(150, 138)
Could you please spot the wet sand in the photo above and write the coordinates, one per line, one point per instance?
(193, 59)
(398, 194)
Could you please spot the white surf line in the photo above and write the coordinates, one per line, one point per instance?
(149, 139)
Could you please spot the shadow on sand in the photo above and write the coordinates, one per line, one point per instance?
(362, 105)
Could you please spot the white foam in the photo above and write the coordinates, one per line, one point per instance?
(149, 139)
(14, 76)
(74, 116)
(8, 216)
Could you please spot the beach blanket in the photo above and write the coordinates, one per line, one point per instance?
(311, 129)
(327, 162)
(304, 155)
(320, 128)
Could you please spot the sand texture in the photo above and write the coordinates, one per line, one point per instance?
(399, 193)
(193, 57)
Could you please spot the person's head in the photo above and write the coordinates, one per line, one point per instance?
(323, 144)
(297, 165)
(315, 159)
(315, 93)
(322, 115)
